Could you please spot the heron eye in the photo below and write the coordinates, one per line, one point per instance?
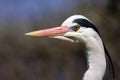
(76, 28)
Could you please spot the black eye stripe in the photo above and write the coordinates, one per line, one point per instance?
(85, 23)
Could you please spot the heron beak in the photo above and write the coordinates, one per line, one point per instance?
(57, 31)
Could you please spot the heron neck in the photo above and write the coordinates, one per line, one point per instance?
(96, 59)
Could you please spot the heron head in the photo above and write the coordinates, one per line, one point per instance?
(70, 29)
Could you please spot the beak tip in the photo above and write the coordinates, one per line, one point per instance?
(32, 34)
(27, 34)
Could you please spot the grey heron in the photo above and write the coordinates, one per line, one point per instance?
(79, 28)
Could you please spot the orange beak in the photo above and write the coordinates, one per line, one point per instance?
(57, 31)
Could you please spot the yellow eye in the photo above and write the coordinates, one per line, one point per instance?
(76, 28)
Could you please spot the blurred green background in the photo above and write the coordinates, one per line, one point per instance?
(30, 58)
